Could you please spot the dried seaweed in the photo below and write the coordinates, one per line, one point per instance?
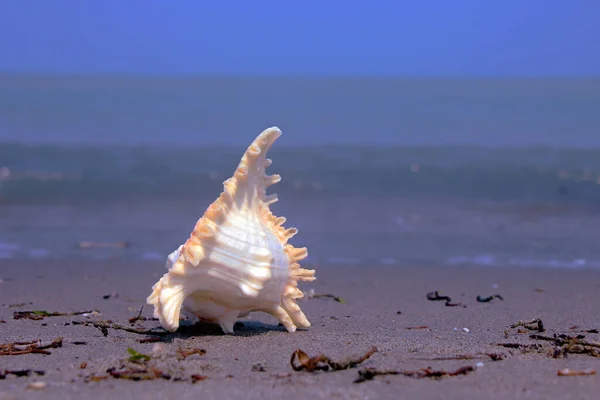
(569, 372)
(182, 354)
(37, 315)
(20, 373)
(137, 374)
(149, 340)
(492, 356)
(489, 298)
(300, 361)
(535, 324)
(561, 345)
(140, 367)
(435, 296)
(36, 346)
(566, 344)
(368, 374)
(526, 348)
(2, 321)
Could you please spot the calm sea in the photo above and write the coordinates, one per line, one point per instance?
(406, 172)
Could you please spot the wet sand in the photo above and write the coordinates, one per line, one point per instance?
(380, 304)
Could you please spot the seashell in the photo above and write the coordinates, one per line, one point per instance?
(237, 258)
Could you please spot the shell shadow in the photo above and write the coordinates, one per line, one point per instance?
(243, 329)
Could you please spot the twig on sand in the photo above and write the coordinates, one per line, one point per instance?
(570, 372)
(300, 361)
(104, 327)
(368, 374)
(41, 314)
(36, 346)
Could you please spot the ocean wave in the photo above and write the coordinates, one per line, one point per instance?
(491, 260)
(45, 173)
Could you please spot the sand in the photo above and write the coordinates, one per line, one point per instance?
(381, 303)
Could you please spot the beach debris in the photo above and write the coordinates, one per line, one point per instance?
(482, 299)
(37, 385)
(300, 361)
(105, 326)
(435, 296)
(20, 373)
(566, 344)
(40, 314)
(539, 290)
(140, 367)
(133, 320)
(110, 296)
(525, 348)
(535, 324)
(560, 345)
(137, 357)
(2, 321)
(79, 343)
(152, 339)
(368, 374)
(258, 367)
(312, 295)
(137, 374)
(491, 356)
(182, 354)
(85, 245)
(36, 346)
(570, 372)
(83, 365)
(197, 378)
(466, 330)
(417, 327)
(17, 305)
(260, 272)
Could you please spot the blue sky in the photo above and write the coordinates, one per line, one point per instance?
(309, 37)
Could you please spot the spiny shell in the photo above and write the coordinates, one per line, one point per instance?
(237, 259)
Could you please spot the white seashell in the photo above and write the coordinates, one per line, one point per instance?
(237, 259)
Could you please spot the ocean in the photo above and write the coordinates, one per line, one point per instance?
(375, 171)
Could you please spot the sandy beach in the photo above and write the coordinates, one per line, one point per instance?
(385, 307)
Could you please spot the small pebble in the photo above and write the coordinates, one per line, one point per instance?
(495, 286)
(466, 329)
(38, 385)
(479, 365)
(159, 350)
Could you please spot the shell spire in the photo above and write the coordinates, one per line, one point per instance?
(237, 258)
